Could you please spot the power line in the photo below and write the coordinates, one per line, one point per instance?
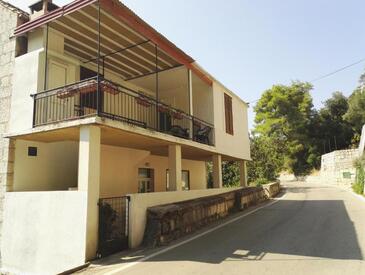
(327, 75)
(338, 70)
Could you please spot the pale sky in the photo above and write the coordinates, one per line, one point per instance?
(251, 45)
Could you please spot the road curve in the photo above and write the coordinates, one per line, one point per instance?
(311, 229)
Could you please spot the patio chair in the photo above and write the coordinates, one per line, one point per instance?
(202, 135)
(178, 131)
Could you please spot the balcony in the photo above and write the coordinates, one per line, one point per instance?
(100, 97)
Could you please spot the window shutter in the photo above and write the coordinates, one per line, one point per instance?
(228, 114)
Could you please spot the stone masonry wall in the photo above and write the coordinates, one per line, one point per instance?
(10, 17)
(336, 163)
(171, 221)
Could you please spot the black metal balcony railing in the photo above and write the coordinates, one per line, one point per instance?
(104, 98)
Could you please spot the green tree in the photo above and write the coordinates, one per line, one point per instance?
(230, 174)
(284, 113)
(267, 159)
(355, 114)
(335, 131)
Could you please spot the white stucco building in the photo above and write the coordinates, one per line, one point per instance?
(103, 106)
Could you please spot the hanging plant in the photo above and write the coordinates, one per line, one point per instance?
(141, 100)
(163, 109)
(177, 115)
(110, 88)
(66, 92)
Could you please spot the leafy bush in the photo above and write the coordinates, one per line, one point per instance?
(261, 181)
(358, 186)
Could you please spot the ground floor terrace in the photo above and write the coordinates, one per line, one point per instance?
(84, 182)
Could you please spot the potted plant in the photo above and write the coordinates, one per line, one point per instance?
(142, 100)
(177, 114)
(110, 88)
(163, 109)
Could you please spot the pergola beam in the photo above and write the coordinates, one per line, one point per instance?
(117, 51)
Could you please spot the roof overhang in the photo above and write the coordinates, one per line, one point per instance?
(69, 17)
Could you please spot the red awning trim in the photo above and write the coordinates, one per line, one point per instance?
(50, 16)
(128, 17)
(123, 13)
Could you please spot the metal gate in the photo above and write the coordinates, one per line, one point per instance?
(113, 225)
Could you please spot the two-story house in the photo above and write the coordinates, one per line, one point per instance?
(102, 106)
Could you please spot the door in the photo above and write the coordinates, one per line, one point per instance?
(145, 180)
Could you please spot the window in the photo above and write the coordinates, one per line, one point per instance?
(228, 114)
(145, 180)
(32, 151)
(185, 180)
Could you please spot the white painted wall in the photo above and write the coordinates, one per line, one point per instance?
(25, 83)
(54, 168)
(238, 144)
(43, 232)
(140, 202)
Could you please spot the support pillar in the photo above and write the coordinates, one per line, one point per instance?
(190, 97)
(89, 182)
(217, 171)
(243, 173)
(175, 168)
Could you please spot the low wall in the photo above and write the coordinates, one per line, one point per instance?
(140, 202)
(338, 168)
(171, 221)
(272, 189)
(43, 232)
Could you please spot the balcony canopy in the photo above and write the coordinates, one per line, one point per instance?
(108, 31)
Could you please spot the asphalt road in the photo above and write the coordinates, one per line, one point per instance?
(311, 229)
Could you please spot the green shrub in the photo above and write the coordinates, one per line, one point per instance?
(261, 181)
(358, 186)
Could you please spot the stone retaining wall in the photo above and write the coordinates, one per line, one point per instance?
(338, 168)
(172, 221)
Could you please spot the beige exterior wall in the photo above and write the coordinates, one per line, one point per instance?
(202, 96)
(44, 232)
(208, 103)
(140, 202)
(236, 145)
(119, 171)
(54, 167)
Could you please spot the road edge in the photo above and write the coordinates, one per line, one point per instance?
(173, 246)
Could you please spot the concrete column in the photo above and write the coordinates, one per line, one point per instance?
(243, 173)
(89, 182)
(217, 171)
(190, 90)
(175, 168)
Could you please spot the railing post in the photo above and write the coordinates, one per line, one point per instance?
(191, 122)
(98, 92)
(34, 110)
